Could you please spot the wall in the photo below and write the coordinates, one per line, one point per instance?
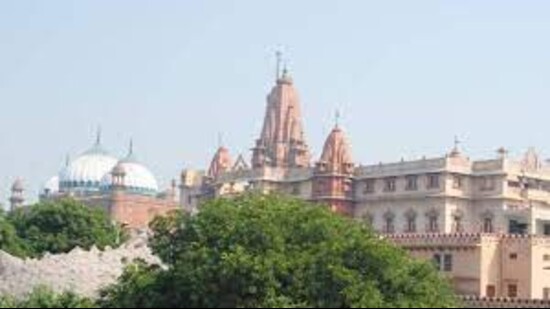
(83, 272)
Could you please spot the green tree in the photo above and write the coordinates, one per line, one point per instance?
(58, 227)
(43, 297)
(9, 240)
(269, 251)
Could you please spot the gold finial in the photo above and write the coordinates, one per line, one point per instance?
(279, 56)
(337, 116)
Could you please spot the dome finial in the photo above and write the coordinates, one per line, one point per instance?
(98, 136)
(337, 116)
(67, 159)
(131, 148)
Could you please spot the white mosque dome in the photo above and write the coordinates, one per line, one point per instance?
(137, 177)
(86, 172)
(51, 186)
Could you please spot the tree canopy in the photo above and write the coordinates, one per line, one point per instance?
(9, 240)
(57, 227)
(270, 251)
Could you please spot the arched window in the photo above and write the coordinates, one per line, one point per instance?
(410, 217)
(389, 227)
(433, 218)
(458, 226)
(487, 218)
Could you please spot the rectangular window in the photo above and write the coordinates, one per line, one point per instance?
(412, 183)
(437, 261)
(513, 256)
(369, 186)
(390, 184)
(512, 290)
(448, 263)
(515, 227)
(457, 182)
(513, 184)
(433, 181)
(546, 293)
(547, 229)
(546, 257)
(491, 291)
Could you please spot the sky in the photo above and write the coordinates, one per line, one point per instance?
(407, 77)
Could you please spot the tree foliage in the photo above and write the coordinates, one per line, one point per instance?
(58, 227)
(44, 298)
(9, 240)
(269, 251)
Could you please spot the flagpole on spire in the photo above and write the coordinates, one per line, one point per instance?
(220, 140)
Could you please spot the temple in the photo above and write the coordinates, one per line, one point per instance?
(483, 223)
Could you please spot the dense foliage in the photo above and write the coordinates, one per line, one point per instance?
(56, 227)
(9, 240)
(44, 298)
(268, 251)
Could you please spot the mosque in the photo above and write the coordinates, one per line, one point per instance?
(485, 223)
(124, 187)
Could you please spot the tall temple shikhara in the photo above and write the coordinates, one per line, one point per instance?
(281, 159)
(282, 143)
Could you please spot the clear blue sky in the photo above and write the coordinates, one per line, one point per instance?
(407, 75)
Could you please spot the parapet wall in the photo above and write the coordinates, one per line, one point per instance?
(83, 272)
(462, 239)
(482, 302)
